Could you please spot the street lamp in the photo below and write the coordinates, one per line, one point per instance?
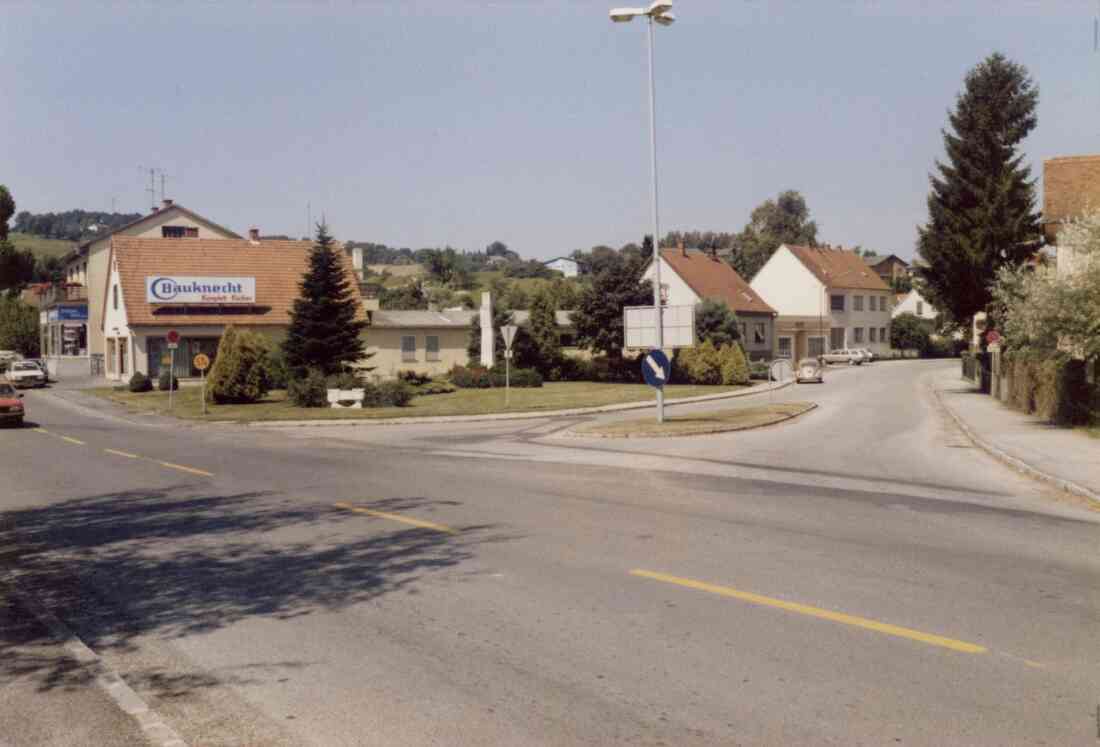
(659, 11)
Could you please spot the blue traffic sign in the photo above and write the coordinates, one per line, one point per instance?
(656, 368)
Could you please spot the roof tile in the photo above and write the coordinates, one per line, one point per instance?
(837, 268)
(714, 278)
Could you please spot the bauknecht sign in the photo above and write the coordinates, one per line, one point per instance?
(175, 289)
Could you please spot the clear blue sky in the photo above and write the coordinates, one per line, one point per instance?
(423, 124)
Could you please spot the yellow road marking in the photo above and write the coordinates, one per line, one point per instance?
(805, 609)
(76, 441)
(192, 470)
(122, 453)
(397, 517)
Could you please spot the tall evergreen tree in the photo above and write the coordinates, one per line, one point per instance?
(981, 210)
(324, 325)
(543, 330)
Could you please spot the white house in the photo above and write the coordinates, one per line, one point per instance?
(564, 265)
(689, 276)
(826, 298)
(913, 303)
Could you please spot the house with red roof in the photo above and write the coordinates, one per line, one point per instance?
(688, 276)
(827, 298)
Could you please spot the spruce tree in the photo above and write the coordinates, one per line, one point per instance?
(325, 327)
(981, 210)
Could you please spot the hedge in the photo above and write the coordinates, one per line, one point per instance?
(477, 377)
(1052, 386)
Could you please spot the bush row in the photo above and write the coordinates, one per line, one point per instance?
(311, 390)
(478, 377)
(1053, 386)
(707, 364)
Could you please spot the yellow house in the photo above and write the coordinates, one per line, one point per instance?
(430, 342)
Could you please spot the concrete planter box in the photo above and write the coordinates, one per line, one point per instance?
(350, 399)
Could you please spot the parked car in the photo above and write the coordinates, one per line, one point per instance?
(844, 355)
(25, 373)
(41, 365)
(868, 355)
(11, 407)
(810, 369)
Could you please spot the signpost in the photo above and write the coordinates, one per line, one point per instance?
(173, 343)
(656, 369)
(202, 362)
(509, 332)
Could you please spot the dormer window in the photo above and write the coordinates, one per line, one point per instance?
(179, 232)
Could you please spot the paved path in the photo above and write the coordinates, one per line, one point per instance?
(1061, 453)
(859, 576)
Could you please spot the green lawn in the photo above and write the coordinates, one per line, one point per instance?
(40, 247)
(696, 424)
(553, 396)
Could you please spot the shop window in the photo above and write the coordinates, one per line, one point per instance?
(431, 347)
(408, 349)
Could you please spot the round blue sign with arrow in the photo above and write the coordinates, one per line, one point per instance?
(656, 368)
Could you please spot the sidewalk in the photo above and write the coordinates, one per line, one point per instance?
(1067, 458)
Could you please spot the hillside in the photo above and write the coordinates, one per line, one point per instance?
(39, 246)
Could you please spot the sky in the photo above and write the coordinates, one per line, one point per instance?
(459, 123)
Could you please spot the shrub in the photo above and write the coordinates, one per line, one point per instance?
(734, 367)
(139, 382)
(240, 370)
(167, 380)
(278, 372)
(760, 370)
(413, 378)
(1063, 393)
(433, 387)
(346, 380)
(392, 393)
(470, 377)
(701, 364)
(521, 378)
(309, 390)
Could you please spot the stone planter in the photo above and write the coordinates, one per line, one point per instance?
(348, 399)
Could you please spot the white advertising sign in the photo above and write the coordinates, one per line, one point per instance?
(640, 323)
(178, 289)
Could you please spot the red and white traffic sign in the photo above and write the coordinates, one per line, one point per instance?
(173, 336)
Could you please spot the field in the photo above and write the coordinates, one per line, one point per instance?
(40, 247)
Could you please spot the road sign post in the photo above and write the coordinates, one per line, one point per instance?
(509, 333)
(656, 369)
(173, 343)
(202, 362)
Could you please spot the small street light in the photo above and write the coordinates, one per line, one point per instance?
(659, 11)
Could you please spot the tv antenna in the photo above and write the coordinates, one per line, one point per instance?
(152, 188)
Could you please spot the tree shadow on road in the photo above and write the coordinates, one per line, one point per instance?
(175, 562)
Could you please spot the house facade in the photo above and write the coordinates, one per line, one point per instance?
(688, 276)
(826, 299)
(1071, 185)
(566, 266)
(891, 269)
(73, 341)
(913, 303)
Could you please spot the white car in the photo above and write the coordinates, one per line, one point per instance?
(868, 356)
(25, 373)
(850, 356)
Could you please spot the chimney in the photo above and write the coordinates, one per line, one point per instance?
(683, 249)
(166, 203)
(254, 235)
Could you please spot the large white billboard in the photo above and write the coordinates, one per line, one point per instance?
(179, 289)
(640, 326)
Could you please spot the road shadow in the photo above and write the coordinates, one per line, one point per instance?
(119, 566)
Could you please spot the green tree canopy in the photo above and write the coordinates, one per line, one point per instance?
(18, 326)
(599, 313)
(542, 327)
(324, 325)
(784, 220)
(716, 321)
(7, 210)
(910, 332)
(981, 209)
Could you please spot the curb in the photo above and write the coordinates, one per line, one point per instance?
(1015, 462)
(570, 433)
(530, 415)
(106, 679)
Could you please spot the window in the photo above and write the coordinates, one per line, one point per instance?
(920, 308)
(858, 333)
(857, 303)
(744, 330)
(872, 332)
(784, 348)
(882, 334)
(816, 346)
(882, 304)
(874, 302)
(111, 355)
(759, 333)
(408, 348)
(431, 347)
(123, 349)
(179, 232)
(836, 303)
(114, 297)
(665, 290)
(836, 338)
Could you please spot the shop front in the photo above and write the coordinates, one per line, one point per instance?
(64, 332)
(159, 357)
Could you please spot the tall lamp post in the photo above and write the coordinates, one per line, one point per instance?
(660, 12)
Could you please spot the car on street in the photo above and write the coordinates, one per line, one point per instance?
(810, 369)
(850, 356)
(11, 405)
(26, 374)
(41, 365)
(868, 356)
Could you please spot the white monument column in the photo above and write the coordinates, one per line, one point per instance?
(488, 339)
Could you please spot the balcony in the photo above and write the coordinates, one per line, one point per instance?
(64, 294)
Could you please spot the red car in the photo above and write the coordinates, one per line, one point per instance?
(11, 406)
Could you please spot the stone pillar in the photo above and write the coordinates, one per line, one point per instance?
(488, 338)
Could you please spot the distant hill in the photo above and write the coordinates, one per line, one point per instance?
(40, 247)
(71, 225)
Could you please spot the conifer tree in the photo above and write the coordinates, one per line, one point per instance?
(325, 327)
(981, 210)
(543, 330)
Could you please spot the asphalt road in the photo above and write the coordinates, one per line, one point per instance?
(857, 576)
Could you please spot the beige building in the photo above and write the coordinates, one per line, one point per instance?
(1071, 185)
(86, 275)
(430, 342)
(827, 299)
